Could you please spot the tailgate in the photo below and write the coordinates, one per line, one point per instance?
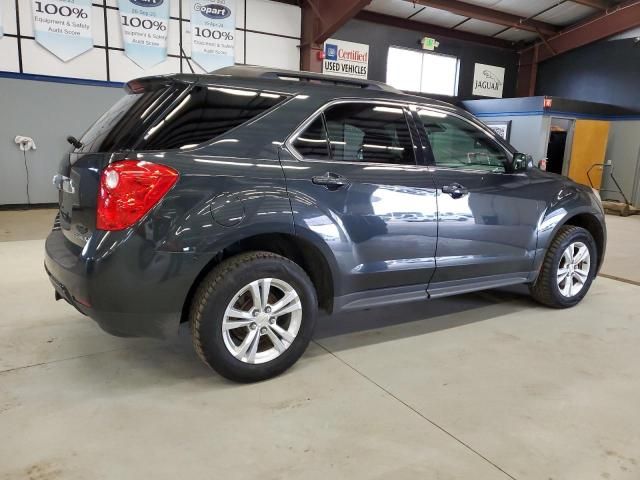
(78, 181)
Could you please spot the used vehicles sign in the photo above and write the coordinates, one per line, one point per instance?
(346, 59)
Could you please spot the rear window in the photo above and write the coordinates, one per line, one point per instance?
(175, 117)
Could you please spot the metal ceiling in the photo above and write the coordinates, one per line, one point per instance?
(522, 21)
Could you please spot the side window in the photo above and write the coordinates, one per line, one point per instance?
(365, 132)
(456, 143)
(312, 142)
(205, 113)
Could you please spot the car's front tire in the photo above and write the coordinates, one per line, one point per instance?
(253, 316)
(568, 269)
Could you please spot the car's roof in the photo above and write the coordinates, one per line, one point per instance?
(295, 82)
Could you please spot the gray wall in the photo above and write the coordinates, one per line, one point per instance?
(47, 112)
(529, 133)
(623, 150)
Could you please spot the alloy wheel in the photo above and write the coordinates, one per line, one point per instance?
(573, 269)
(262, 320)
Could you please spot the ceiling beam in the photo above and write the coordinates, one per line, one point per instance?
(617, 19)
(489, 15)
(599, 4)
(333, 14)
(434, 30)
(320, 20)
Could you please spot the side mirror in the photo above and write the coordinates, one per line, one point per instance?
(521, 162)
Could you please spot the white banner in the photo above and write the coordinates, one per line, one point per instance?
(346, 59)
(213, 26)
(488, 80)
(63, 26)
(145, 28)
(1, 25)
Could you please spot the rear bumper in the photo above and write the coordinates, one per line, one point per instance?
(134, 291)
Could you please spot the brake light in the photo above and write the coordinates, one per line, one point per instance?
(128, 190)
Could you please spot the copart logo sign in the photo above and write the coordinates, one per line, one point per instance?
(213, 10)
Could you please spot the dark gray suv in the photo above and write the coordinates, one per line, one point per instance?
(244, 201)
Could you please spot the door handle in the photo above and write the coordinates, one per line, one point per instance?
(455, 190)
(330, 180)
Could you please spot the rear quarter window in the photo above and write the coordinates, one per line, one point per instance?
(173, 117)
(204, 113)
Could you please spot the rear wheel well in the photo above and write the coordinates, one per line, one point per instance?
(296, 249)
(590, 223)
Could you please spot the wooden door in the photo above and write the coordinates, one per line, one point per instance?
(589, 148)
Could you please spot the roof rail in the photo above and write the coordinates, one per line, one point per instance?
(248, 71)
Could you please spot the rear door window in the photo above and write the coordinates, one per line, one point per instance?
(367, 132)
(313, 142)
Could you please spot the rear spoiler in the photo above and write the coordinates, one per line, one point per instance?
(147, 84)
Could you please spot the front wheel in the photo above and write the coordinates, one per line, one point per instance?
(568, 269)
(253, 316)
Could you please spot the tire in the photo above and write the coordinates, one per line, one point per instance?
(250, 353)
(547, 289)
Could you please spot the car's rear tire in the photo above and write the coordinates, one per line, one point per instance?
(568, 269)
(253, 316)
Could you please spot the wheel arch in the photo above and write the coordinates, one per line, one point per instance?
(593, 225)
(584, 218)
(304, 252)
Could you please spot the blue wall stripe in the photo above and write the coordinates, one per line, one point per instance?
(68, 80)
(509, 114)
(550, 113)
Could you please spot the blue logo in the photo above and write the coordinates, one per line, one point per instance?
(213, 10)
(331, 52)
(147, 3)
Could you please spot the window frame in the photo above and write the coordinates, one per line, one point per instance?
(408, 117)
(429, 158)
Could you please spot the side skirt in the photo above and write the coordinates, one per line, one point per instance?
(391, 296)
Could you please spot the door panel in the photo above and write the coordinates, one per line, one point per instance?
(589, 147)
(380, 222)
(486, 223)
(490, 231)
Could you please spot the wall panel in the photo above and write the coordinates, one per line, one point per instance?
(272, 39)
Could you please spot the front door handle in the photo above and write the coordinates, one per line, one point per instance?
(330, 180)
(455, 190)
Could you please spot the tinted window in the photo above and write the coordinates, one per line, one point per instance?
(312, 142)
(363, 132)
(456, 143)
(205, 113)
(123, 124)
(175, 116)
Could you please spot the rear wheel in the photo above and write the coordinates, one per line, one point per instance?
(568, 269)
(253, 315)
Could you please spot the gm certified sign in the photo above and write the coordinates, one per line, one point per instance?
(213, 11)
(147, 3)
(346, 59)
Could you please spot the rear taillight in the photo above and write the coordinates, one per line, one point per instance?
(128, 190)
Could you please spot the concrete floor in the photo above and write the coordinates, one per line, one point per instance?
(482, 386)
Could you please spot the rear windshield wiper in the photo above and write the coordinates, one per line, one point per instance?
(74, 141)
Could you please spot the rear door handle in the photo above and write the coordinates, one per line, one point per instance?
(455, 190)
(330, 180)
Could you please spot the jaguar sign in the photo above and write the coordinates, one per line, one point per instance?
(488, 81)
